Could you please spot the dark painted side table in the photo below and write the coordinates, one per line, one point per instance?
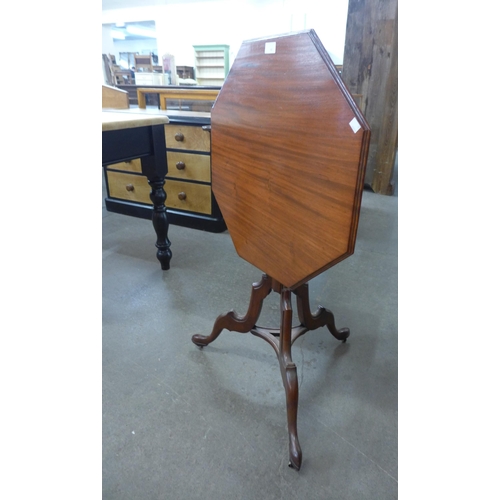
(127, 136)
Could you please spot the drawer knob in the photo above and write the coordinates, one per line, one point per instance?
(179, 136)
(182, 195)
(180, 165)
(129, 187)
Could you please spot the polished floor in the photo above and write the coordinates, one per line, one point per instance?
(181, 422)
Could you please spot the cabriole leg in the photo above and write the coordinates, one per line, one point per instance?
(290, 380)
(235, 323)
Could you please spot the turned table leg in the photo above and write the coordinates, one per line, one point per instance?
(160, 222)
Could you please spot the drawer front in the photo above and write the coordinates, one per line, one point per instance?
(189, 196)
(188, 166)
(189, 138)
(129, 166)
(129, 187)
(180, 195)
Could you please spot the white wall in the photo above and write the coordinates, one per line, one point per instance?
(108, 46)
(180, 25)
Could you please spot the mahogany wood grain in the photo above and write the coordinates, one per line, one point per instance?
(287, 167)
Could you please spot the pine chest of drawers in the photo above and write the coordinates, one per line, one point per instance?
(190, 201)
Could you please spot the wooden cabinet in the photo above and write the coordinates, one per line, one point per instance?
(190, 201)
(143, 78)
(212, 64)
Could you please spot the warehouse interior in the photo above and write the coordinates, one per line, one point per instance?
(183, 422)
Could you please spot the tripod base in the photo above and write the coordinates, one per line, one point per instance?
(280, 339)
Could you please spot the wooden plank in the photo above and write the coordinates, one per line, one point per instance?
(164, 94)
(370, 68)
(119, 120)
(114, 98)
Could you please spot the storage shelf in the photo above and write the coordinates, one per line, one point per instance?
(211, 64)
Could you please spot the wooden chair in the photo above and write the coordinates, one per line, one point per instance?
(143, 62)
(185, 72)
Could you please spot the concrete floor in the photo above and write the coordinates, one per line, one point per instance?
(180, 422)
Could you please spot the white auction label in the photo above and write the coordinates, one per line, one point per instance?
(354, 125)
(270, 48)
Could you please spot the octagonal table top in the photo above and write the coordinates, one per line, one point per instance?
(289, 149)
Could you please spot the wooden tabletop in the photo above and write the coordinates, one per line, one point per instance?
(113, 119)
(289, 149)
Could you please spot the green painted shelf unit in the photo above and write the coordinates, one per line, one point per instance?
(211, 64)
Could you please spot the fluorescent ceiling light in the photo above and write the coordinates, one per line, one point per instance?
(118, 34)
(134, 30)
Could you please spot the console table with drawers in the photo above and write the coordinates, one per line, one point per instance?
(190, 201)
(139, 140)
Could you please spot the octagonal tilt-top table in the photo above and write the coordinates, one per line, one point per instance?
(289, 149)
